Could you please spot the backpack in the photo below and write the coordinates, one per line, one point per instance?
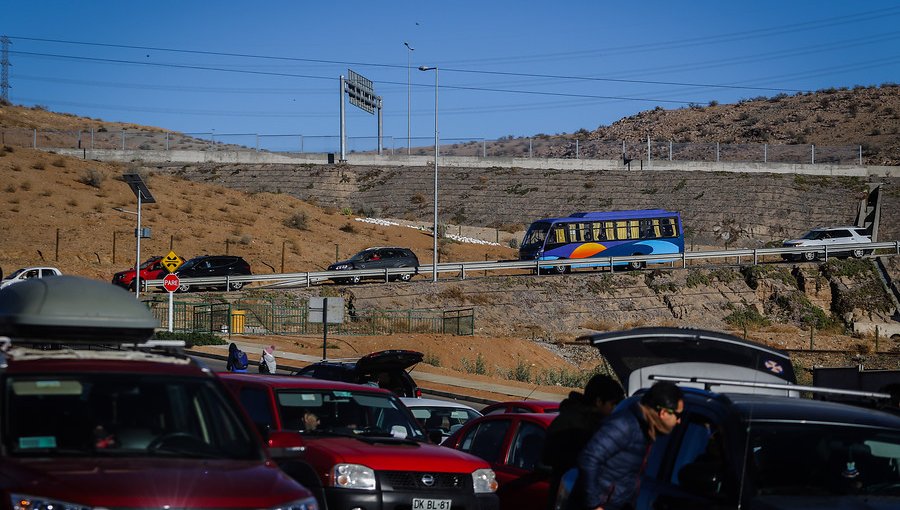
(240, 362)
(263, 367)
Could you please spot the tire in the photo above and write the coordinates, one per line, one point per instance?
(561, 269)
(636, 265)
(184, 288)
(354, 279)
(405, 277)
(810, 256)
(858, 253)
(237, 285)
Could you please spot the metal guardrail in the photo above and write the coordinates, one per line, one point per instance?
(306, 279)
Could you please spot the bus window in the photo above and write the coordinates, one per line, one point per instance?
(574, 233)
(558, 235)
(598, 232)
(647, 230)
(667, 228)
(621, 230)
(536, 235)
(634, 231)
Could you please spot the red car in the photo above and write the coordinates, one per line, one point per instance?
(522, 406)
(151, 269)
(119, 427)
(362, 448)
(512, 443)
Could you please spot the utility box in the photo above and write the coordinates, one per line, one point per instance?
(237, 321)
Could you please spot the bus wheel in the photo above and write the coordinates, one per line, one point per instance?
(561, 269)
(637, 264)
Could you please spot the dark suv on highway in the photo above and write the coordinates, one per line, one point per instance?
(96, 416)
(379, 258)
(213, 265)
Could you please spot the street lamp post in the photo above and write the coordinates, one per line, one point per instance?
(408, 95)
(436, 153)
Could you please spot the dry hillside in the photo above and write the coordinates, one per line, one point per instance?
(59, 211)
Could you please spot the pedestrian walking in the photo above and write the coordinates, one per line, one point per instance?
(579, 417)
(612, 462)
(267, 362)
(237, 359)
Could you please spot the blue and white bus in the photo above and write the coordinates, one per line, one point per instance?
(595, 235)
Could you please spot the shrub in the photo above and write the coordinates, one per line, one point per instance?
(349, 228)
(39, 165)
(92, 177)
(747, 316)
(432, 359)
(513, 243)
(297, 221)
(191, 339)
(59, 162)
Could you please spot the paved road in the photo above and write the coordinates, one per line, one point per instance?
(289, 360)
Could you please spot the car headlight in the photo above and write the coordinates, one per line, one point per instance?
(354, 476)
(484, 480)
(340, 267)
(302, 504)
(26, 502)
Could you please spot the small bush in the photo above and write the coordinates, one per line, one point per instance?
(297, 221)
(25, 186)
(349, 228)
(39, 165)
(92, 177)
(191, 339)
(59, 162)
(432, 359)
(513, 243)
(747, 316)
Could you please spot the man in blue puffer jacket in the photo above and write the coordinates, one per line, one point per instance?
(611, 464)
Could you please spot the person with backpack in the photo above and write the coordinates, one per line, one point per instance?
(237, 359)
(267, 363)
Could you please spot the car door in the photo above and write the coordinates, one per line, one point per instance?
(523, 481)
(688, 469)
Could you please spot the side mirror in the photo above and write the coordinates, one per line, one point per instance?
(702, 478)
(285, 443)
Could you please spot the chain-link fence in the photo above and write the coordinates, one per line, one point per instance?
(537, 147)
(280, 317)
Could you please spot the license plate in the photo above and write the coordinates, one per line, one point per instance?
(431, 504)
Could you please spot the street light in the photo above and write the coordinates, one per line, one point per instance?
(136, 183)
(435, 259)
(408, 92)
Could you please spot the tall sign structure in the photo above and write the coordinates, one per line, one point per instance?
(362, 95)
(4, 68)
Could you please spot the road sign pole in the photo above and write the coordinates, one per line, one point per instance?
(325, 329)
(171, 311)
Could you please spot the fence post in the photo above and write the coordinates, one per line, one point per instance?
(717, 152)
(670, 150)
(576, 148)
(34, 139)
(530, 148)
(860, 155)
(483, 148)
(813, 153)
(765, 153)
(123, 139)
(812, 330)
(648, 150)
(167, 140)
(876, 339)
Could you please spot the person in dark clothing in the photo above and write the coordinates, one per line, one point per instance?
(237, 359)
(579, 417)
(611, 463)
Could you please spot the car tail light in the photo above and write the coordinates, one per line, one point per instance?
(418, 393)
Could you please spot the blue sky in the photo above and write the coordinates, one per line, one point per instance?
(506, 68)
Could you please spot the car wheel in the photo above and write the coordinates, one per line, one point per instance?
(858, 253)
(405, 277)
(636, 265)
(355, 279)
(810, 256)
(184, 287)
(237, 285)
(561, 269)
(132, 286)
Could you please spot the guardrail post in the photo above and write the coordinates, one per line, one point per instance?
(826, 253)
(308, 283)
(611, 266)
(387, 277)
(530, 148)
(755, 257)
(683, 260)
(227, 283)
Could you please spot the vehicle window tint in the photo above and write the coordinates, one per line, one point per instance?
(667, 227)
(486, 440)
(647, 229)
(840, 234)
(525, 452)
(256, 402)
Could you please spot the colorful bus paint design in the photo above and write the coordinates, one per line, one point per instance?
(598, 234)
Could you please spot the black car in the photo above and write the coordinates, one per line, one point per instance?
(741, 445)
(386, 369)
(213, 265)
(378, 258)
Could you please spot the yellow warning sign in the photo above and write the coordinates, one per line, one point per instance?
(172, 262)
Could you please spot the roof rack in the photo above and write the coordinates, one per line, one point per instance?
(708, 383)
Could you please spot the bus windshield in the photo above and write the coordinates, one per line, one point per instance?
(536, 234)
